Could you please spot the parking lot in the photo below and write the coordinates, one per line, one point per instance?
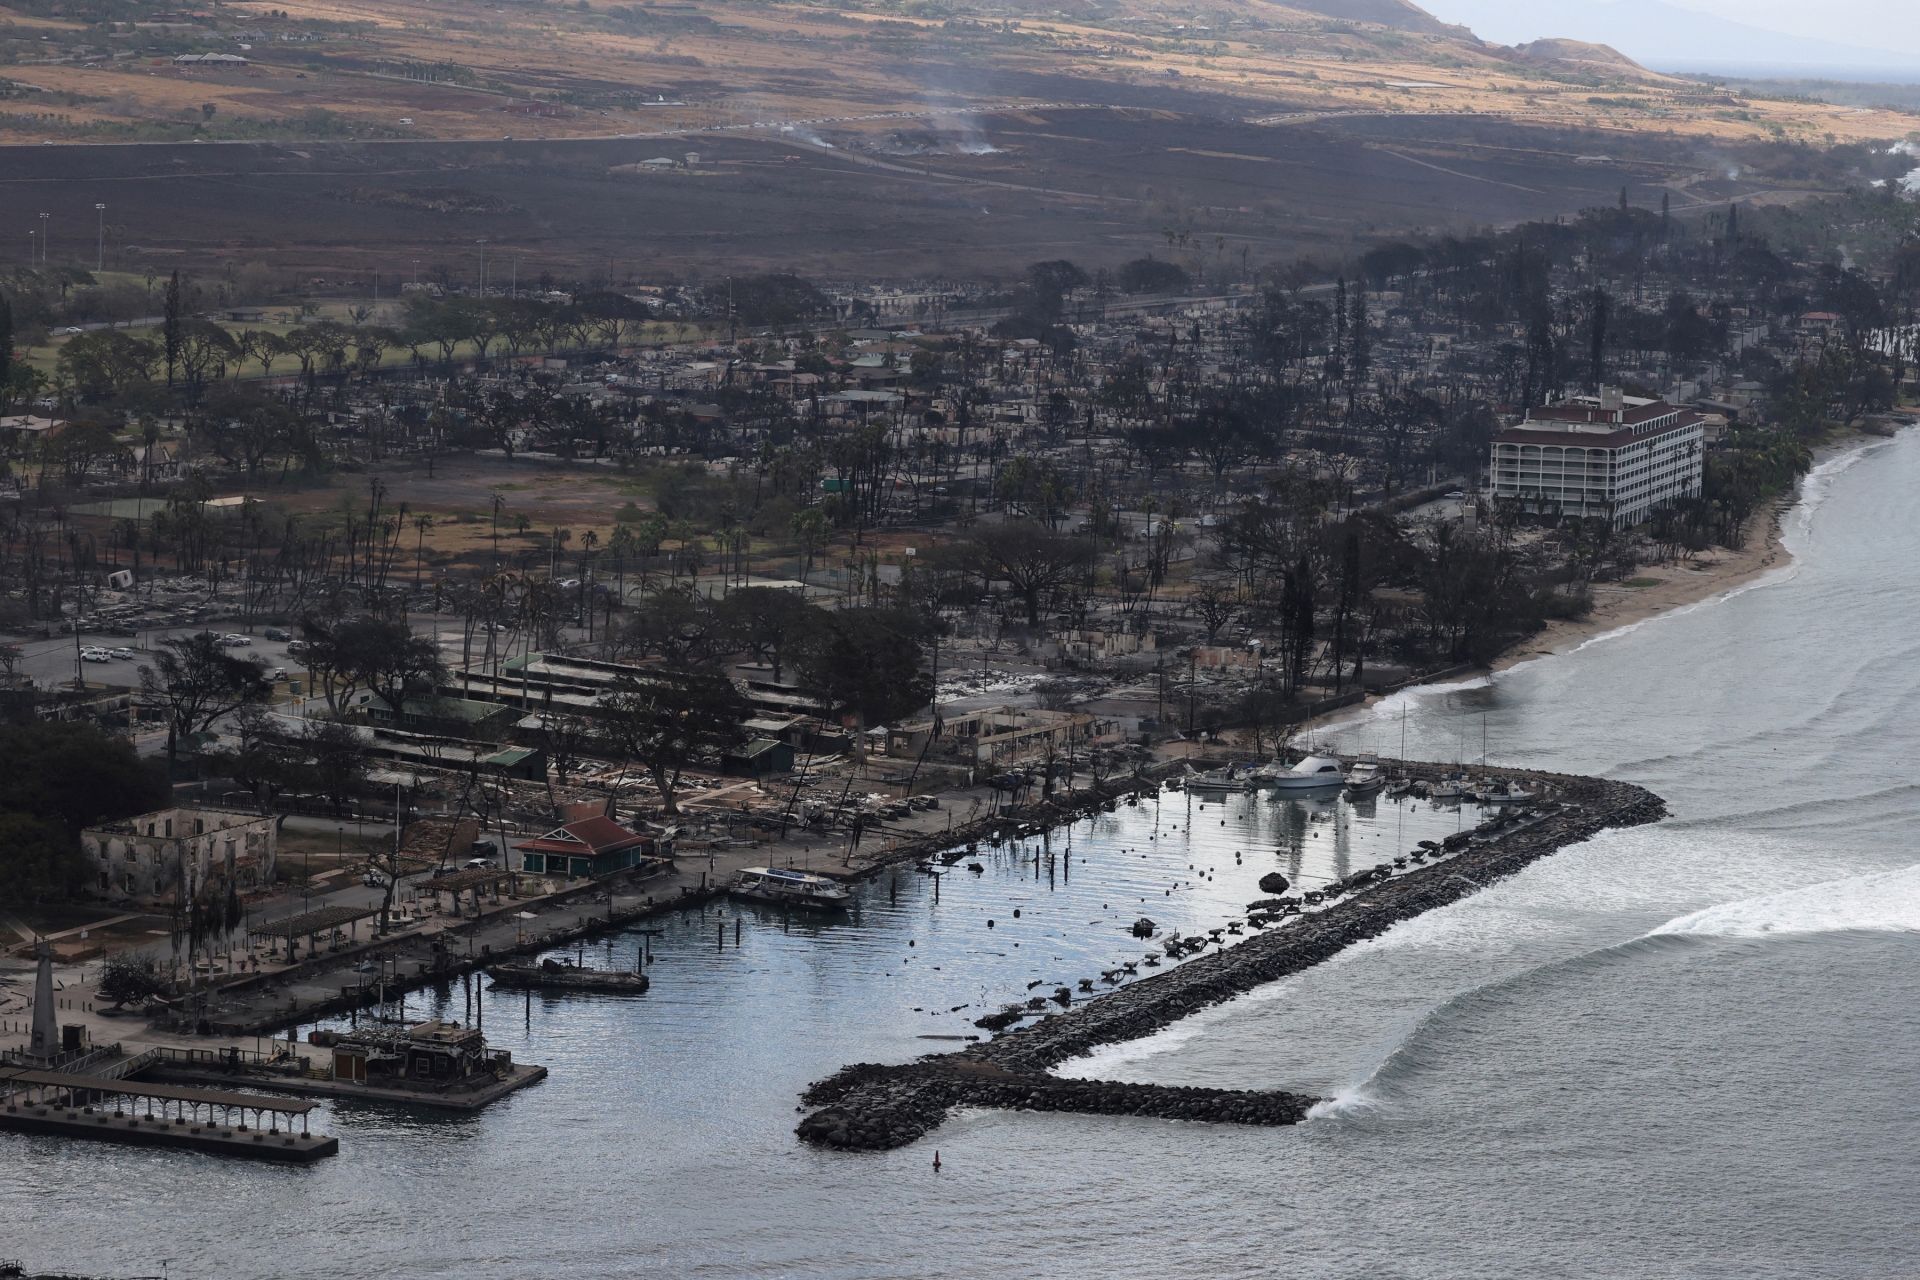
(54, 661)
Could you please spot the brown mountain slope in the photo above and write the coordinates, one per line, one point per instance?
(1579, 51)
(1398, 14)
(413, 70)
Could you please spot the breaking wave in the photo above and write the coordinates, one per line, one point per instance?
(1887, 901)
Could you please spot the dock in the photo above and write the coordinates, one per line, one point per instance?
(521, 1075)
(70, 1106)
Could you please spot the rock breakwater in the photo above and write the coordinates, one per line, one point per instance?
(875, 1107)
(872, 1107)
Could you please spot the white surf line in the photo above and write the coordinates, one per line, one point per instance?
(1886, 901)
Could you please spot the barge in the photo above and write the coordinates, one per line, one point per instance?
(556, 975)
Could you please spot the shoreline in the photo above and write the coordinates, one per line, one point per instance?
(1688, 581)
(1681, 583)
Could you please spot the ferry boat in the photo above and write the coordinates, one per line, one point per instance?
(1311, 773)
(793, 888)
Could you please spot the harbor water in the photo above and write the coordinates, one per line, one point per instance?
(1685, 1049)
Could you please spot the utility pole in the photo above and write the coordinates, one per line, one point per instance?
(100, 248)
(1193, 673)
(43, 239)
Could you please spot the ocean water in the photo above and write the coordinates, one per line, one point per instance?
(1691, 1049)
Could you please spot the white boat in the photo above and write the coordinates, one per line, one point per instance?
(1227, 779)
(1446, 789)
(793, 888)
(1311, 773)
(1505, 793)
(1365, 774)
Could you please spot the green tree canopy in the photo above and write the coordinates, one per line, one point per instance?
(669, 719)
(56, 779)
(868, 662)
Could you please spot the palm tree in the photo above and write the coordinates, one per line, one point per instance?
(422, 522)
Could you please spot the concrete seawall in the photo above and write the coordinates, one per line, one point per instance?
(213, 1139)
(874, 1107)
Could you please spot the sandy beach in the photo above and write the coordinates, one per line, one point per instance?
(1668, 587)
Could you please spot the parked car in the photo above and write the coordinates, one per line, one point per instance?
(125, 655)
(94, 655)
(235, 640)
(275, 633)
(568, 583)
(279, 673)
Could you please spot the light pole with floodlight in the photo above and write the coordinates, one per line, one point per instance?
(100, 249)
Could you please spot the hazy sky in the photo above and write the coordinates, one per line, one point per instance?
(1864, 22)
(1660, 31)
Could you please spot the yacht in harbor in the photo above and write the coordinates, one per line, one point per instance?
(793, 888)
(1365, 775)
(1312, 773)
(1231, 778)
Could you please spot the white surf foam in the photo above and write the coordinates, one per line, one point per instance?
(1103, 1060)
(1888, 901)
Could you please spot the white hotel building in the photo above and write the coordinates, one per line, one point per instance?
(1605, 455)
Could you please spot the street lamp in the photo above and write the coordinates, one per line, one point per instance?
(43, 239)
(100, 249)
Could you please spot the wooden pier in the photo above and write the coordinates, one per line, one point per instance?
(519, 1076)
(209, 1120)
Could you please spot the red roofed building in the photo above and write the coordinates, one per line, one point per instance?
(579, 850)
(1607, 455)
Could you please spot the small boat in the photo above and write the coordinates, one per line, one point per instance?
(558, 975)
(1312, 773)
(1505, 793)
(790, 887)
(1448, 789)
(1227, 779)
(1365, 774)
